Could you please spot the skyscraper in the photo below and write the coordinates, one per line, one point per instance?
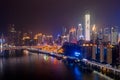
(64, 30)
(106, 36)
(118, 37)
(12, 35)
(94, 33)
(72, 35)
(114, 36)
(87, 27)
(79, 32)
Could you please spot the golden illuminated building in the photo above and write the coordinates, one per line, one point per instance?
(109, 54)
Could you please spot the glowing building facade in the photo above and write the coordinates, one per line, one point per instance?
(94, 33)
(79, 32)
(114, 36)
(87, 27)
(72, 35)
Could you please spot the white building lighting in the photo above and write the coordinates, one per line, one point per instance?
(87, 27)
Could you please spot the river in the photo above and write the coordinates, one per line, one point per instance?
(42, 67)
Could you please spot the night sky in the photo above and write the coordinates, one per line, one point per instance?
(49, 16)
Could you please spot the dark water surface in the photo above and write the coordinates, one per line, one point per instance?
(41, 67)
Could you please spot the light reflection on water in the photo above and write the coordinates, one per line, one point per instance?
(1, 66)
(77, 73)
(1, 50)
(40, 66)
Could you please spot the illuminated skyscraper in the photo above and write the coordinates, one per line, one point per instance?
(79, 32)
(109, 54)
(94, 33)
(72, 35)
(106, 36)
(114, 36)
(87, 27)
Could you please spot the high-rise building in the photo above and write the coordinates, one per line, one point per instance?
(101, 53)
(100, 36)
(38, 38)
(94, 49)
(109, 55)
(118, 37)
(114, 36)
(49, 40)
(94, 34)
(79, 32)
(106, 36)
(19, 36)
(12, 35)
(44, 39)
(64, 31)
(87, 27)
(26, 39)
(72, 35)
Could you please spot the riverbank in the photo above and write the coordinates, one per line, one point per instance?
(104, 69)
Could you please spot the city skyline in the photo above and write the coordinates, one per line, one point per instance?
(50, 16)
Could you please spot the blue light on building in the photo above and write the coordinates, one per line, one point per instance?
(77, 54)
